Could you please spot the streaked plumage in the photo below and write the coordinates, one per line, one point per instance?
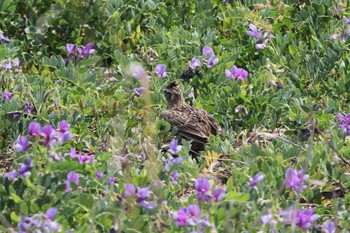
(192, 123)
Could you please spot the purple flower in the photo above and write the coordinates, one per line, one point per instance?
(51, 213)
(16, 116)
(253, 31)
(213, 61)
(24, 168)
(70, 48)
(88, 49)
(194, 63)
(160, 70)
(267, 218)
(208, 51)
(91, 158)
(260, 45)
(295, 179)
(142, 194)
(181, 217)
(34, 129)
(340, 117)
(99, 175)
(65, 137)
(174, 175)
(238, 73)
(6, 96)
(139, 72)
(173, 161)
(129, 190)
(8, 65)
(48, 133)
(22, 171)
(218, 194)
(73, 153)
(22, 144)
(191, 94)
(344, 123)
(174, 148)
(304, 219)
(4, 38)
(25, 224)
(139, 90)
(112, 180)
(28, 108)
(71, 177)
(63, 126)
(16, 62)
(85, 51)
(148, 205)
(190, 216)
(82, 158)
(202, 185)
(193, 212)
(346, 21)
(39, 222)
(329, 227)
(12, 175)
(256, 179)
(178, 160)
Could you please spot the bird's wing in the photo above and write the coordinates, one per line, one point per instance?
(215, 128)
(187, 127)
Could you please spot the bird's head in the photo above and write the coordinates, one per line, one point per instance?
(173, 93)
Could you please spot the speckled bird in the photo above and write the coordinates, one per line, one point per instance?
(192, 123)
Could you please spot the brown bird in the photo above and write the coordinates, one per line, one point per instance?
(192, 123)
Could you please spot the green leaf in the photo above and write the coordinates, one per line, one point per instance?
(237, 197)
(303, 13)
(14, 217)
(321, 9)
(3, 52)
(24, 209)
(34, 207)
(13, 195)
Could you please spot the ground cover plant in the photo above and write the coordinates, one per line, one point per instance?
(83, 147)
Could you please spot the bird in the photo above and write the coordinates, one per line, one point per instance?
(192, 123)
